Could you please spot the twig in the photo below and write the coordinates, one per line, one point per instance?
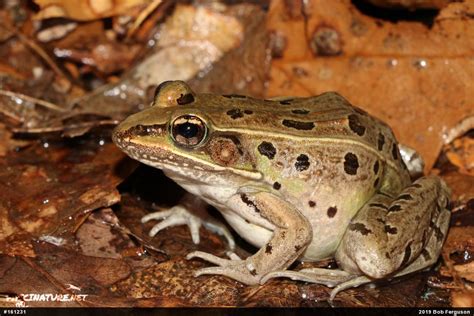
(38, 50)
(142, 16)
(24, 97)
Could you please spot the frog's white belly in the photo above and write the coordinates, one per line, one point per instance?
(258, 236)
(253, 234)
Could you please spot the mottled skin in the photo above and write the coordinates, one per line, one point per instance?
(302, 178)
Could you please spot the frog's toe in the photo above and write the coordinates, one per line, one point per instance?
(232, 255)
(327, 277)
(240, 270)
(209, 257)
(353, 282)
(213, 270)
(175, 216)
(239, 273)
(180, 215)
(156, 215)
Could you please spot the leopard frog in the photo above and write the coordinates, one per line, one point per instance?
(299, 178)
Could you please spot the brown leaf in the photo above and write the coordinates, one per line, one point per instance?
(462, 186)
(461, 154)
(416, 78)
(90, 46)
(85, 10)
(45, 196)
(411, 4)
(243, 70)
(463, 298)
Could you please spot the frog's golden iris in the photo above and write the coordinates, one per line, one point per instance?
(188, 131)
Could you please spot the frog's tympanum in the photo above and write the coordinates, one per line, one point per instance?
(299, 178)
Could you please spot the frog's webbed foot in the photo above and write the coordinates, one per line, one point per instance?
(235, 268)
(338, 279)
(181, 215)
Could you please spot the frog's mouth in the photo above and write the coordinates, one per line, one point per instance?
(138, 143)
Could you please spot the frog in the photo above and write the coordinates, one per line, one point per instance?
(299, 178)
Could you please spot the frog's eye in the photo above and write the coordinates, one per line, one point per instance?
(188, 130)
(173, 93)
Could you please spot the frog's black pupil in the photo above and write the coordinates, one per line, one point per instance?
(188, 130)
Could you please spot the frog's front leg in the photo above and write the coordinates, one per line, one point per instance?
(291, 235)
(191, 211)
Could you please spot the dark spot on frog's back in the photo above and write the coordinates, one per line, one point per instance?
(406, 197)
(238, 113)
(299, 125)
(406, 256)
(351, 164)
(359, 227)
(395, 208)
(311, 203)
(395, 151)
(332, 211)
(390, 230)
(276, 185)
(379, 205)
(376, 167)
(376, 182)
(302, 162)
(267, 149)
(355, 125)
(300, 111)
(237, 96)
(235, 114)
(286, 102)
(380, 141)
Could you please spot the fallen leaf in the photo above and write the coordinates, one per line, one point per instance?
(60, 194)
(461, 154)
(411, 4)
(417, 78)
(85, 10)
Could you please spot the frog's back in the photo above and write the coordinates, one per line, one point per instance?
(326, 117)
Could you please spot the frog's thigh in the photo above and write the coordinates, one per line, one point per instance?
(389, 234)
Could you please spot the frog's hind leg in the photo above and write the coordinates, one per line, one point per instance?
(388, 235)
(387, 238)
(431, 242)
